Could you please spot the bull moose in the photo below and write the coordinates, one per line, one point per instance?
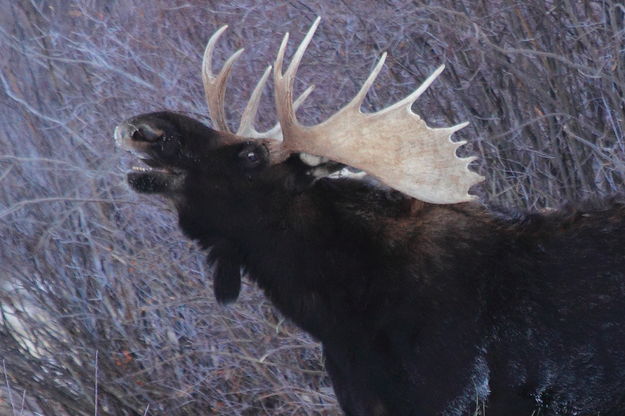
(424, 301)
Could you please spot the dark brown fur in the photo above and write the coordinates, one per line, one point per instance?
(421, 309)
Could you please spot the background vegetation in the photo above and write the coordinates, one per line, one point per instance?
(108, 310)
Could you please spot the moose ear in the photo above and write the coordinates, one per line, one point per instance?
(226, 273)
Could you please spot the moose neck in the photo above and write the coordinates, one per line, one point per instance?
(312, 251)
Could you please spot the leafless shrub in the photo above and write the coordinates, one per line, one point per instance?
(106, 309)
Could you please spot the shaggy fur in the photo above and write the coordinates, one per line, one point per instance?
(421, 309)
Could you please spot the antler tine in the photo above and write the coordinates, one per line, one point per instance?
(215, 90)
(356, 102)
(276, 130)
(414, 96)
(394, 144)
(215, 86)
(283, 83)
(246, 127)
(303, 97)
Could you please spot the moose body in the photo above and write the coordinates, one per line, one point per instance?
(421, 309)
(425, 304)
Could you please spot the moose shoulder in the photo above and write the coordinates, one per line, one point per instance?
(421, 307)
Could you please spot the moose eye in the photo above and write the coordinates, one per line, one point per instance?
(251, 156)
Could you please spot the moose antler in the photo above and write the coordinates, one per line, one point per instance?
(394, 144)
(215, 91)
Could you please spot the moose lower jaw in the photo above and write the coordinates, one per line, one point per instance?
(148, 181)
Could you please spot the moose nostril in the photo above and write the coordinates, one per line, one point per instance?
(136, 135)
(146, 134)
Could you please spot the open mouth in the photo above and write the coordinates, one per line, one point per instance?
(153, 166)
(126, 138)
(155, 178)
(151, 175)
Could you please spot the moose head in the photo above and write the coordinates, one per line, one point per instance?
(394, 145)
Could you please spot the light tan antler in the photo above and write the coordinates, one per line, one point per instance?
(394, 144)
(215, 91)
